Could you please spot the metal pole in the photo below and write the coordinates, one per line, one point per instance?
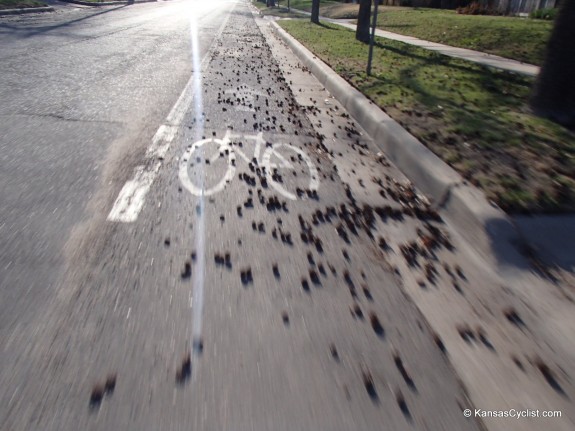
(372, 37)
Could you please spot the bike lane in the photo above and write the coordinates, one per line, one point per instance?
(265, 302)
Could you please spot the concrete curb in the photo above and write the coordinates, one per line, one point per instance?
(107, 3)
(26, 10)
(485, 226)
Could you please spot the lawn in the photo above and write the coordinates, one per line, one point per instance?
(476, 119)
(281, 7)
(517, 38)
(18, 4)
(330, 9)
(279, 11)
(306, 4)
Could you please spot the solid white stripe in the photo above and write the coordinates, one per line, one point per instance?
(131, 199)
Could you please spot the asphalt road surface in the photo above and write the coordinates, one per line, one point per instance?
(181, 249)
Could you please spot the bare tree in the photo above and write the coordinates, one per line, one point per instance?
(554, 94)
(362, 29)
(315, 11)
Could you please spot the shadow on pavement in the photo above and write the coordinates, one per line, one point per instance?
(552, 237)
(537, 244)
(505, 244)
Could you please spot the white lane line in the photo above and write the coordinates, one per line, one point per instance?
(161, 141)
(131, 198)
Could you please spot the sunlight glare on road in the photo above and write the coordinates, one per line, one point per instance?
(197, 295)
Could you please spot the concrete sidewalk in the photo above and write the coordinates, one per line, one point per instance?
(465, 54)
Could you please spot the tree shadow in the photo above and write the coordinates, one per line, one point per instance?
(327, 27)
(552, 239)
(473, 111)
(439, 59)
(396, 26)
(493, 86)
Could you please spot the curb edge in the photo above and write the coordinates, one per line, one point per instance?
(480, 223)
(24, 10)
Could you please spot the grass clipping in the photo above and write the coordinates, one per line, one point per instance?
(476, 119)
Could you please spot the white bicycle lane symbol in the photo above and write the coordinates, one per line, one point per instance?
(272, 160)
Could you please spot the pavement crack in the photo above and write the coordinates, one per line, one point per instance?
(64, 118)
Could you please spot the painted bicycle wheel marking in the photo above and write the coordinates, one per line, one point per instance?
(314, 182)
(271, 160)
(229, 175)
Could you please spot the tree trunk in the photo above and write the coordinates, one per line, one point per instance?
(315, 11)
(362, 30)
(554, 93)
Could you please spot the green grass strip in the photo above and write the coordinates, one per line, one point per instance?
(517, 38)
(18, 4)
(474, 118)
